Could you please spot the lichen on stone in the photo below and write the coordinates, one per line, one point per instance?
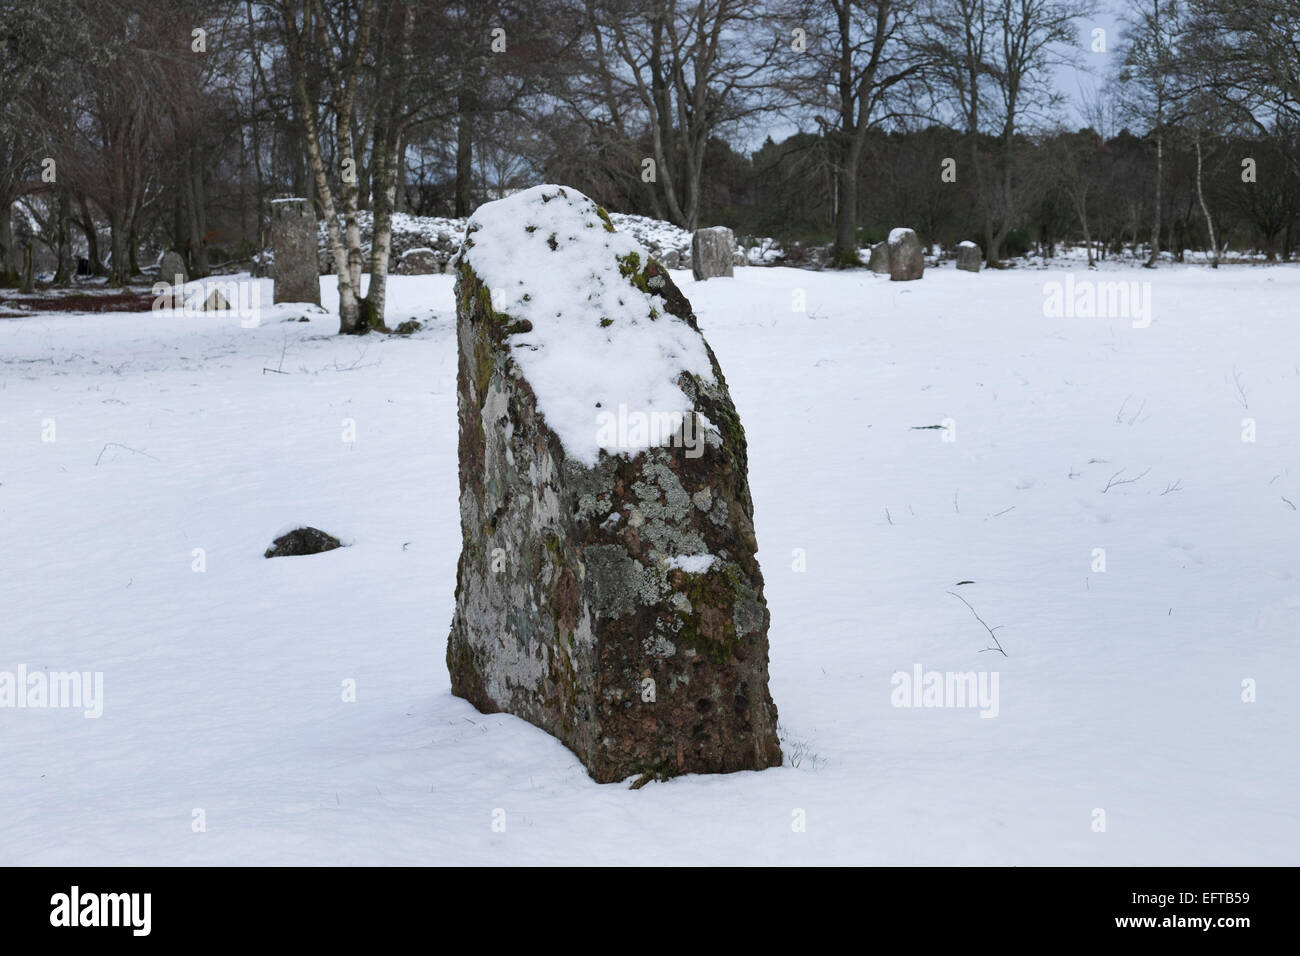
(627, 618)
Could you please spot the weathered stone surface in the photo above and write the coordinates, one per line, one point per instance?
(739, 259)
(879, 261)
(419, 262)
(712, 253)
(969, 256)
(172, 266)
(293, 239)
(302, 541)
(906, 257)
(612, 599)
(672, 259)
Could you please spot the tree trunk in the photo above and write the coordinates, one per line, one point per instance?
(1155, 229)
(132, 251)
(87, 223)
(846, 212)
(1205, 209)
(63, 241)
(8, 260)
(465, 105)
(349, 304)
(29, 268)
(347, 257)
(986, 201)
(387, 160)
(116, 245)
(197, 219)
(996, 239)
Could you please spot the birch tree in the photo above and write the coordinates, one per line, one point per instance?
(335, 38)
(392, 117)
(1149, 70)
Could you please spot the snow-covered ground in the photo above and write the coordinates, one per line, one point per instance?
(130, 441)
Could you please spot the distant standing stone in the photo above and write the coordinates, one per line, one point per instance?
(294, 239)
(969, 256)
(906, 257)
(879, 261)
(217, 302)
(419, 262)
(172, 269)
(712, 253)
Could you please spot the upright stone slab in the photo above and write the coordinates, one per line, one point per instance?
(607, 590)
(969, 257)
(418, 262)
(712, 253)
(293, 239)
(217, 302)
(879, 260)
(172, 269)
(906, 257)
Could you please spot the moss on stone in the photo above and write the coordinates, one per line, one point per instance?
(482, 368)
(709, 628)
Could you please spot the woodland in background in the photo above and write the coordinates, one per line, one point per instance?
(131, 126)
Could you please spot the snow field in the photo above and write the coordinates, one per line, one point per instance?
(1122, 689)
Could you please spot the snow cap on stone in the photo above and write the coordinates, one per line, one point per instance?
(597, 343)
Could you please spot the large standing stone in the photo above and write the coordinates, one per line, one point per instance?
(969, 257)
(608, 590)
(293, 239)
(712, 253)
(906, 257)
(879, 260)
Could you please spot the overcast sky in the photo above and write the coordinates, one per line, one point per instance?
(1076, 83)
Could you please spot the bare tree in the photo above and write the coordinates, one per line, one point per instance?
(1149, 72)
(997, 57)
(1077, 159)
(695, 68)
(863, 68)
